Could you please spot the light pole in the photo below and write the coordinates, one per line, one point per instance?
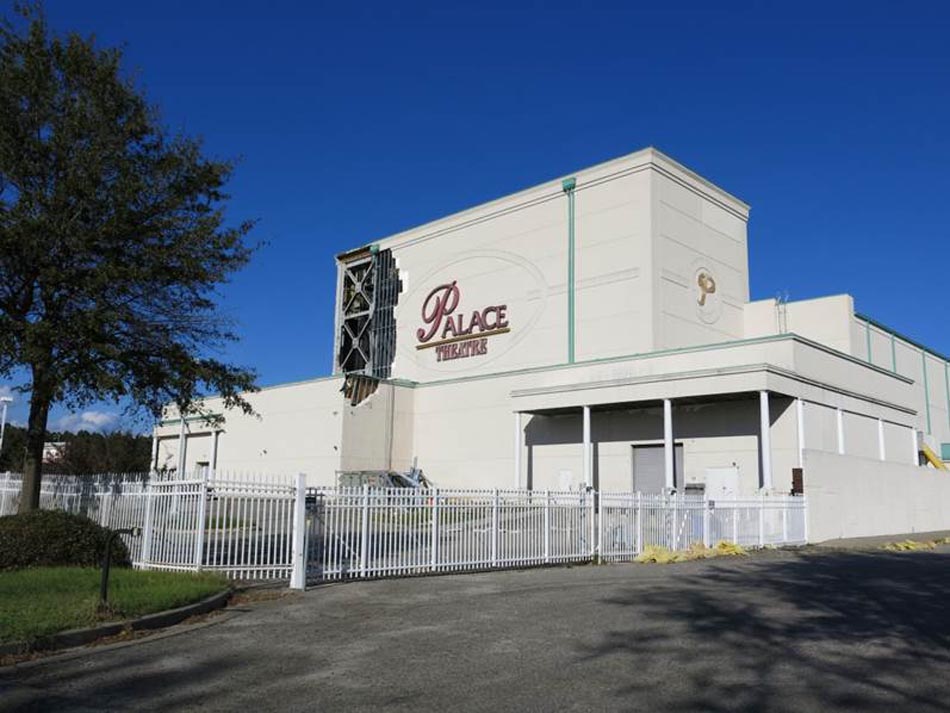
(5, 400)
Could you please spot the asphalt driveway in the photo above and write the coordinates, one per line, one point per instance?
(809, 631)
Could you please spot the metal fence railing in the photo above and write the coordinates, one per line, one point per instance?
(266, 527)
(629, 522)
(240, 525)
(369, 532)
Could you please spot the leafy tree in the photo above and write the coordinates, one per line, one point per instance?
(113, 240)
(84, 452)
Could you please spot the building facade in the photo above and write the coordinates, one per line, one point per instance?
(593, 331)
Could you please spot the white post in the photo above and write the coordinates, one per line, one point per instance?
(588, 461)
(639, 523)
(765, 439)
(800, 416)
(364, 532)
(804, 510)
(435, 530)
(298, 571)
(547, 526)
(706, 504)
(668, 443)
(213, 465)
(761, 520)
(785, 519)
(147, 527)
(200, 521)
(839, 417)
(600, 530)
(154, 462)
(592, 494)
(494, 528)
(104, 502)
(181, 447)
(519, 447)
(915, 447)
(881, 449)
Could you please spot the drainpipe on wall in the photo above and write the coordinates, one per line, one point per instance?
(182, 444)
(923, 356)
(568, 185)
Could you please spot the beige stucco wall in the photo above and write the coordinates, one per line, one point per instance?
(832, 322)
(377, 434)
(713, 435)
(825, 320)
(641, 220)
(859, 497)
(646, 227)
(297, 429)
(693, 234)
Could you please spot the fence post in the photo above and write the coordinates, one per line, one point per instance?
(761, 520)
(735, 522)
(3, 494)
(674, 538)
(201, 521)
(600, 529)
(592, 494)
(639, 506)
(547, 526)
(494, 528)
(785, 520)
(298, 560)
(101, 497)
(147, 527)
(364, 534)
(804, 509)
(706, 508)
(435, 530)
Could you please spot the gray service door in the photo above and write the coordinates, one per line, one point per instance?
(649, 471)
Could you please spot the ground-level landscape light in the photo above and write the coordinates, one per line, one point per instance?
(106, 562)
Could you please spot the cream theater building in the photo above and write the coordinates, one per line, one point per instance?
(595, 330)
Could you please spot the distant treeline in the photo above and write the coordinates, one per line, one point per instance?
(84, 452)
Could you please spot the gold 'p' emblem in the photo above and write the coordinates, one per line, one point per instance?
(707, 286)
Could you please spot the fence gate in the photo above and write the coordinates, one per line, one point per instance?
(378, 532)
(173, 531)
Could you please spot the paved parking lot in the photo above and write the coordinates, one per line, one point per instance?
(809, 631)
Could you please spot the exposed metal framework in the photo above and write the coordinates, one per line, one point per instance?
(369, 291)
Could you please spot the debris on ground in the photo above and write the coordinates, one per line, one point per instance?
(654, 554)
(912, 545)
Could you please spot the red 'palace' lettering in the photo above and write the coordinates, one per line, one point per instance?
(438, 314)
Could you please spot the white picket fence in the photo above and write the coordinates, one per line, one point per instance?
(240, 525)
(265, 527)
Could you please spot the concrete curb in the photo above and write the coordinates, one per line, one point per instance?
(80, 637)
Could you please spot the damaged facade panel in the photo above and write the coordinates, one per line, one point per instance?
(369, 292)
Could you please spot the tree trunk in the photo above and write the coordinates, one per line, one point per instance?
(35, 439)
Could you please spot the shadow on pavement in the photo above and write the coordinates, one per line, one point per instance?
(843, 630)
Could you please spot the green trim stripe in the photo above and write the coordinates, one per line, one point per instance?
(568, 185)
(788, 336)
(902, 337)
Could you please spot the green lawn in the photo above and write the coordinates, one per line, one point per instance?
(44, 600)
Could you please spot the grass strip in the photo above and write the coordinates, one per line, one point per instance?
(44, 600)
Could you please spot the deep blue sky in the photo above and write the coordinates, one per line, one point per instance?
(356, 120)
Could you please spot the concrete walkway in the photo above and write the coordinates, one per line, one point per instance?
(807, 631)
(878, 541)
